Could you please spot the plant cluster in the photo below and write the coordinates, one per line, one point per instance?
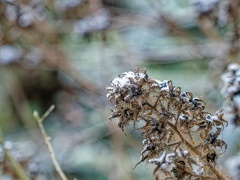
(180, 138)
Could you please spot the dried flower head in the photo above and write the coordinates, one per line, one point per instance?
(231, 91)
(179, 137)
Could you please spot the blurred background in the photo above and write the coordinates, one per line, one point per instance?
(66, 52)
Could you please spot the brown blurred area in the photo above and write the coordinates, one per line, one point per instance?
(66, 52)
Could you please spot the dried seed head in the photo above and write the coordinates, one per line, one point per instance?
(179, 137)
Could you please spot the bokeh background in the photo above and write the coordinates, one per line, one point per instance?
(66, 52)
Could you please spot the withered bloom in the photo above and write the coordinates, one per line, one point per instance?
(179, 137)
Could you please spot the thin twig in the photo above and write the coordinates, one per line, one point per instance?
(47, 141)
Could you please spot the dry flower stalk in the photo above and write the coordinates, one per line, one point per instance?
(180, 138)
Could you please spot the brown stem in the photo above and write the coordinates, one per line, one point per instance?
(48, 142)
(192, 148)
(212, 168)
(17, 167)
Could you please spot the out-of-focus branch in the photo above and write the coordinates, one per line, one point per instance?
(19, 100)
(208, 28)
(185, 53)
(15, 164)
(57, 59)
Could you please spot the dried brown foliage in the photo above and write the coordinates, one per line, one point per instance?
(180, 138)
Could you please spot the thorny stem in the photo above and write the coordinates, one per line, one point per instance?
(47, 141)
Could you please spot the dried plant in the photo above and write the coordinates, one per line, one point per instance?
(231, 92)
(180, 138)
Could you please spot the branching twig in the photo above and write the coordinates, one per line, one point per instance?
(47, 140)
